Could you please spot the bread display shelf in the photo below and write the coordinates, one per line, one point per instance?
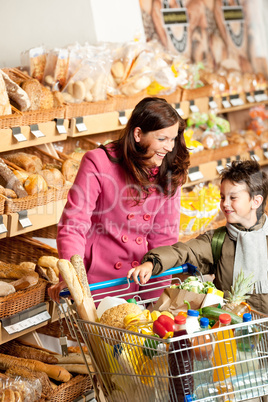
(39, 217)
(49, 129)
(4, 221)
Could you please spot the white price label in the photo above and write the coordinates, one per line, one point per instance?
(20, 137)
(193, 176)
(260, 97)
(28, 323)
(226, 104)
(60, 127)
(265, 154)
(250, 99)
(194, 108)
(81, 127)
(63, 307)
(180, 111)
(25, 222)
(236, 102)
(3, 229)
(122, 120)
(212, 104)
(36, 132)
(255, 157)
(219, 168)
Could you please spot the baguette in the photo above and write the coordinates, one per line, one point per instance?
(58, 373)
(72, 358)
(16, 349)
(78, 265)
(84, 304)
(77, 368)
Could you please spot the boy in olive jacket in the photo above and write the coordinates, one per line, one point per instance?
(244, 190)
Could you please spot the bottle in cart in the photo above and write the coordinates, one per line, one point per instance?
(192, 323)
(180, 361)
(202, 354)
(225, 350)
(247, 336)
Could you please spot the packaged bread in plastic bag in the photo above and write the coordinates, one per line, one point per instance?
(34, 61)
(55, 74)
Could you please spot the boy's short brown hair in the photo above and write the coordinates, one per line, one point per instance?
(250, 173)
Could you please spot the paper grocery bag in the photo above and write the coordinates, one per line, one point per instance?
(172, 300)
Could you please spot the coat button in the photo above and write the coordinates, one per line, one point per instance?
(118, 265)
(135, 264)
(155, 170)
(139, 240)
(146, 217)
(151, 179)
(124, 239)
(130, 216)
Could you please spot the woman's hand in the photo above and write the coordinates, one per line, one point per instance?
(54, 291)
(144, 271)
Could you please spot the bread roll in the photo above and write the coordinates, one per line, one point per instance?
(114, 317)
(21, 175)
(35, 183)
(53, 371)
(69, 169)
(7, 192)
(30, 163)
(28, 265)
(9, 180)
(58, 99)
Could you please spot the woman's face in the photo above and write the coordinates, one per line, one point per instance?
(159, 142)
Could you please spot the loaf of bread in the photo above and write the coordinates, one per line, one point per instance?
(35, 183)
(84, 304)
(9, 180)
(6, 289)
(53, 371)
(17, 349)
(48, 261)
(53, 177)
(47, 99)
(25, 373)
(5, 107)
(114, 317)
(7, 192)
(19, 97)
(25, 282)
(69, 169)
(30, 163)
(80, 269)
(34, 90)
(13, 271)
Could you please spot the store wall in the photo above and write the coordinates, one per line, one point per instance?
(31, 23)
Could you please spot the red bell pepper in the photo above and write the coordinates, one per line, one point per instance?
(163, 325)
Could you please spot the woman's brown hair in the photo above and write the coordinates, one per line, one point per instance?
(152, 114)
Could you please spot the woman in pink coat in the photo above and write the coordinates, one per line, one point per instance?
(126, 196)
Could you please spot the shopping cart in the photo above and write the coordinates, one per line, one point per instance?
(130, 365)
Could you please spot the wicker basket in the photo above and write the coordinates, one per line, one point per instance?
(43, 197)
(88, 108)
(122, 102)
(42, 115)
(23, 299)
(11, 120)
(2, 204)
(202, 92)
(22, 248)
(69, 391)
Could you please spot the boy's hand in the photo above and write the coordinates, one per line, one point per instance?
(144, 271)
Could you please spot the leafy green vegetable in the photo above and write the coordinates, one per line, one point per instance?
(193, 284)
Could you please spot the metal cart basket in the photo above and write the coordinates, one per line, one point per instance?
(130, 365)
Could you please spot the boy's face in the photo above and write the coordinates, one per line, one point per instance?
(237, 205)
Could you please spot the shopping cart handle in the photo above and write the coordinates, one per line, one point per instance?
(185, 268)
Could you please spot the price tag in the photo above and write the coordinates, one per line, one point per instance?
(80, 125)
(236, 101)
(253, 156)
(178, 109)
(195, 174)
(18, 134)
(225, 103)
(250, 98)
(228, 161)
(24, 220)
(219, 166)
(122, 118)
(193, 108)
(260, 96)
(60, 126)
(3, 229)
(26, 319)
(35, 131)
(212, 104)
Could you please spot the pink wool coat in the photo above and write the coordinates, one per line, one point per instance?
(101, 224)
